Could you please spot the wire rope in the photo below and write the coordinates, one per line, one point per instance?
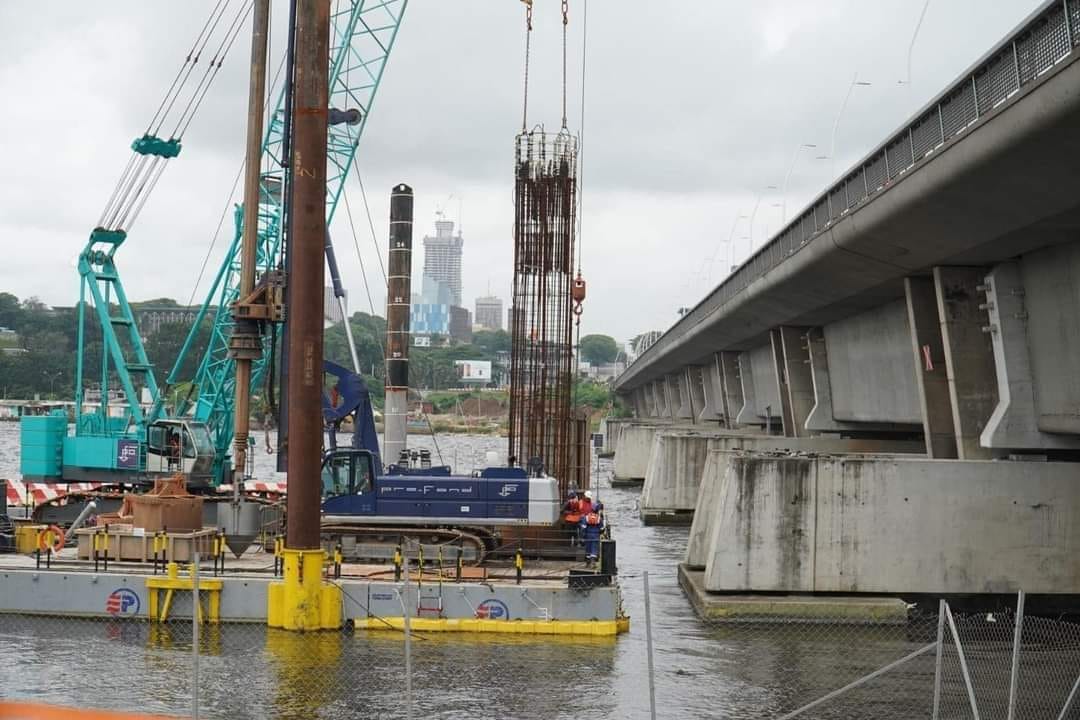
(528, 39)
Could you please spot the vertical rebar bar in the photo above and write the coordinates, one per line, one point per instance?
(1018, 634)
(648, 645)
(195, 636)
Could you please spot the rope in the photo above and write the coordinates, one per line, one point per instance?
(565, 21)
(371, 224)
(196, 50)
(141, 174)
(236, 182)
(528, 38)
(581, 133)
(212, 69)
(356, 244)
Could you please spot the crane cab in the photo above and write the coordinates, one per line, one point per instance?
(179, 446)
(348, 482)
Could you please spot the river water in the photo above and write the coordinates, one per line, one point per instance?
(249, 672)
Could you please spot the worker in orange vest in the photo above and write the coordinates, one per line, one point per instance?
(591, 527)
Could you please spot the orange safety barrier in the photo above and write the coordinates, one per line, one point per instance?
(36, 711)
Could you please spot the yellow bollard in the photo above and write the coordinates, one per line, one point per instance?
(302, 600)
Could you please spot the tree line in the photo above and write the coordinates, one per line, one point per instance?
(41, 362)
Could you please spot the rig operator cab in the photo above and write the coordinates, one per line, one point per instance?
(348, 481)
(179, 446)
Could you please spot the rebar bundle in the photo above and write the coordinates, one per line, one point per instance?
(541, 364)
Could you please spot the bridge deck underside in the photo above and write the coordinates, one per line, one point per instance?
(1006, 186)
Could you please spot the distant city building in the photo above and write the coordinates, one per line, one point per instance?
(489, 312)
(500, 370)
(429, 319)
(442, 258)
(150, 318)
(601, 372)
(473, 371)
(460, 324)
(10, 343)
(434, 291)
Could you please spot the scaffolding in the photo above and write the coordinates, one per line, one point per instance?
(543, 428)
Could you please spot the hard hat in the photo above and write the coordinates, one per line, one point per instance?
(588, 494)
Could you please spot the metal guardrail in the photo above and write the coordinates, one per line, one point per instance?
(1042, 41)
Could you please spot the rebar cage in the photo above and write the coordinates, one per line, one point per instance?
(541, 365)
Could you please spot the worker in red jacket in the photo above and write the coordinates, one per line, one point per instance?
(591, 527)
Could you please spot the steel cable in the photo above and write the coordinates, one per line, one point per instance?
(195, 50)
(212, 69)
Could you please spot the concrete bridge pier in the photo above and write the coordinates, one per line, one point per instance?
(680, 477)
(881, 524)
(896, 369)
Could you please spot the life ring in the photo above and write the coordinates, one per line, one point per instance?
(52, 538)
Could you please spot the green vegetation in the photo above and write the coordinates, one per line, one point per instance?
(43, 361)
(50, 335)
(588, 393)
(599, 349)
(491, 341)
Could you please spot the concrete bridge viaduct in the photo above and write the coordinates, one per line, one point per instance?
(885, 398)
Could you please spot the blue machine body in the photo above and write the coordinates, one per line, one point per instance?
(493, 496)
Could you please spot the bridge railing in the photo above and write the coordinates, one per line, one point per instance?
(1045, 39)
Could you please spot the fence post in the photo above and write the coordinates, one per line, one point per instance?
(195, 636)
(937, 661)
(648, 646)
(1017, 637)
(408, 643)
(963, 663)
(1069, 699)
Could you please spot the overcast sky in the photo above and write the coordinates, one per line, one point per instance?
(692, 109)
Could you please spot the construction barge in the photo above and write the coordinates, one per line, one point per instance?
(126, 572)
(550, 598)
(499, 550)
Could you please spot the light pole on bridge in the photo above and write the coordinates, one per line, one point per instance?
(855, 82)
(787, 177)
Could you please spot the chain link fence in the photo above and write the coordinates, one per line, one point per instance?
(934, 663)
(940, 665)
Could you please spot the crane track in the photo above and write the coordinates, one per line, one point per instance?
(393, 535)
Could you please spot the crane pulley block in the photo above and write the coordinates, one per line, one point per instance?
(108, 237)
(153, 145)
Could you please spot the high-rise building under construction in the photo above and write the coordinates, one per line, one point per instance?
(442, 258)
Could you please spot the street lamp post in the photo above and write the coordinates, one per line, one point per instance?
(787, 177)
(727, 246)
(855, 82)
(757, 204)
(911, 46)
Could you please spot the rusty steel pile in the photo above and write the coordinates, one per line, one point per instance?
(542, 424)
